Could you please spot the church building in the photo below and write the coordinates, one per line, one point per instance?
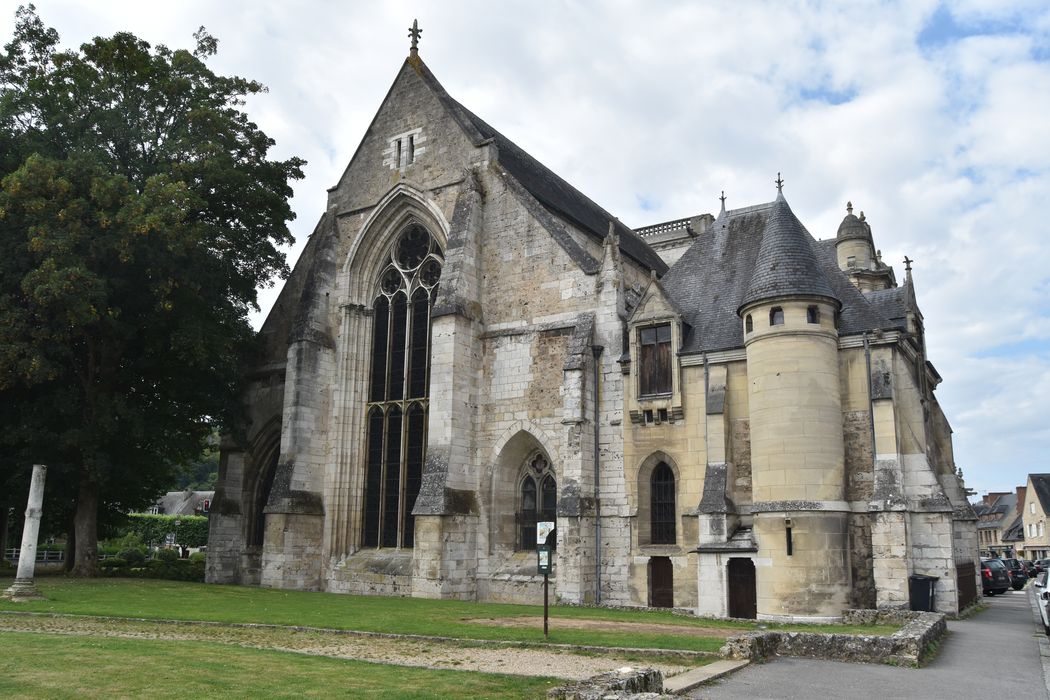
(721, 413)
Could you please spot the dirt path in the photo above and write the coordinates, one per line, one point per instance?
(402, 652)
(607, 626)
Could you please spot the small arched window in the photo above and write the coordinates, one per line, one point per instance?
(749, 325)
(813, 314)
(662, 505)
(537, 500)
(776, 316)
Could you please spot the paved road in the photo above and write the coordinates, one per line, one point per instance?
(994, 655)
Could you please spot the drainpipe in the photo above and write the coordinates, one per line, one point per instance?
(597, 350)
(871, 405)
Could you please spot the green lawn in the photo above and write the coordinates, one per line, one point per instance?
(55, 666)
(193, 601)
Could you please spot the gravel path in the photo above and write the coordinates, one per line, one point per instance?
(402, 652)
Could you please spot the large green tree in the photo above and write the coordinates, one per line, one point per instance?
(139, 212)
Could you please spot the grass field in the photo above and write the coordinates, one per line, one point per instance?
(192, 601)
(54, 666)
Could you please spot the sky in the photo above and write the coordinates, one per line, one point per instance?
(932, 118)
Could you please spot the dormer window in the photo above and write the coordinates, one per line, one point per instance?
(813, 314)
(655, 360)
(776, 316)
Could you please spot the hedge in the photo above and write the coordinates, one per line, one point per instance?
(190, 530)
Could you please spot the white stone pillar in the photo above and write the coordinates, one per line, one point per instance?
(23, 587)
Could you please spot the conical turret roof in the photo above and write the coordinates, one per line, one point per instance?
(786, 265)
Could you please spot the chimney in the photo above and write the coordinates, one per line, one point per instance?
(1020, 498)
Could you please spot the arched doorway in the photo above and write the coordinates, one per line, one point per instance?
(742, 597)
(661, 582)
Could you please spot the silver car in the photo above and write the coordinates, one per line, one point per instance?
(1042, 599)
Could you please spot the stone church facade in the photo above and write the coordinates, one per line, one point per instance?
(720, 413)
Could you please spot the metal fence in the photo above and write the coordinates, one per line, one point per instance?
(42, 555)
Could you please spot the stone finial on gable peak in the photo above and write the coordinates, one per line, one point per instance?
(414, 32)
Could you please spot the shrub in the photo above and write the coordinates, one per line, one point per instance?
(166, 555)
(132, 556)
(113, 563)
(196, 557)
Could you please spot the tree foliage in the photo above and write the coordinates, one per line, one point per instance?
(139, 212)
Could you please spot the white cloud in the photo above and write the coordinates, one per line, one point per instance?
(652, 109)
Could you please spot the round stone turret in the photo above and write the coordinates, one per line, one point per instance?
(800, 515)
(854, 247)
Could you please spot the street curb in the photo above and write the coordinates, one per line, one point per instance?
(684, 682)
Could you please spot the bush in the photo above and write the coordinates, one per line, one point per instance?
(166, 555)
(113, 563)
(198, 557)
(132, 556)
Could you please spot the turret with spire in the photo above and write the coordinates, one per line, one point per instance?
(795, 413)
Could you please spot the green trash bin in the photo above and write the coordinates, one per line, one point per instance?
(922, 592)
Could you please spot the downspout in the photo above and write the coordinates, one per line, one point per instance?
(871, 404)
(597, 350)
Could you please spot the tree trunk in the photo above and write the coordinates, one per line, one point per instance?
(86, 528)
(71, 545)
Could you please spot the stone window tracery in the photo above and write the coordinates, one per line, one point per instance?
(398, 398)
(537, 499)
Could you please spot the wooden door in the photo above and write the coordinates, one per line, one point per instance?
(742, 599)
(661, 583)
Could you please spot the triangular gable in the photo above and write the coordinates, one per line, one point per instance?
(654, 303)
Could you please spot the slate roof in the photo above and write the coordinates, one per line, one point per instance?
(554, 193)
(786, 265)
(711, 278)
(891, 304)
(1015, 532)
(1041, 484)
(183, 502)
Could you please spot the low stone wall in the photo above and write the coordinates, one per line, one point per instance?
(906, 647)
(626, 682)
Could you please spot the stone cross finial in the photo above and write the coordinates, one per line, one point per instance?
(780, 184)
(849, 207)
(907, 264)
(723, 200)
(415, 32)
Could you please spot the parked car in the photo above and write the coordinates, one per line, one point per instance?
(995, 577)
(1043, 599)
(1029, 568)
(1018, 573)
(1042, 564)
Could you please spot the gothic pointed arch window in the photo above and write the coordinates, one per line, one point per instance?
(399, 388)
(662, 505)
(537, 499)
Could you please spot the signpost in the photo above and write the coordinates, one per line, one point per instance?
(544, 561)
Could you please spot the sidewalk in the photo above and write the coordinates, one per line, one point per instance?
(996, 654)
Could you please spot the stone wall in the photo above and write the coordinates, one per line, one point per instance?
(614, 684)
(906, 647)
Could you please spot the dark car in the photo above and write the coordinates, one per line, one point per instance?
(1042, 564)
(1029, 568)
(1018, 573)
(995, 578)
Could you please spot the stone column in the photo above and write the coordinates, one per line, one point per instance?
(23, 587)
